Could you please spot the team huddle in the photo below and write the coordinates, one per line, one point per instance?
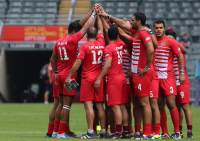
(123, 62)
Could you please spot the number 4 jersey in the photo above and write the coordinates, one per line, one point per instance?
(66, 48)
(91, 53)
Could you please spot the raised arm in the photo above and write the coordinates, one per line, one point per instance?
(125, 37)
(99, 25)
(105, 25)
(118, 22)
(183, 49)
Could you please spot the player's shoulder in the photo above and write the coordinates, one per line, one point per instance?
(143, 32)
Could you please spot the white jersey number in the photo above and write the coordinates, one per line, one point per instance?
(119, 57)
(65, 53)
(100, 52)
(171, 90)
(140, 87)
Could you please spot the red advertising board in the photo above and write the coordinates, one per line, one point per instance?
(34, 33)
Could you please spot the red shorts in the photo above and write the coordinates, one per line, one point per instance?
(61, 88)
(88, 93)
(167, 86)
(126, 98)
(142, 84)
(115, 90)
(154, 88)
(183, 93)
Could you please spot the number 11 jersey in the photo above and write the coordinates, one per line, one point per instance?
(66, 48)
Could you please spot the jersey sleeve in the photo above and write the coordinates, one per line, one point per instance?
(81, 54)
(55, 49)
(131, 40)
(77, 37)
(133, 31)
(107, 52)
(145, 37)
(101, 39)
(174, 46)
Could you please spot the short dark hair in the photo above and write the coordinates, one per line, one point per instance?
(92, 32)
(78, 24)
(74, 26)
(159, 22)
(170, 32)
(140, 17)
(147, 25)
(113, 33)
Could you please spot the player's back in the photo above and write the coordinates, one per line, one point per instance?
(114, 50)
(66, 47)
(92, 62)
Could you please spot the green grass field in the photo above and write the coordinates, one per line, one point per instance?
(23, 122)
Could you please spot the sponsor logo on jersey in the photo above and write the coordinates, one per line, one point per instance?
(147, 38)
(179, 48)
(163, 43)
(125, 50)
(107, 55)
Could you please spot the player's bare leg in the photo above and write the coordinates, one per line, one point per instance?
(67, 101)
(128, 107)
(171, 104)
(111, 121)
(52, 116)
(57, 117)
(102, 118)
(137, 113)
(188, 117)
(155, 115)
(147, 114)
(118, 119)
(46, 97)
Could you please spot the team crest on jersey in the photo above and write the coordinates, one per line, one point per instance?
(179, 48)
(147, 38)
(107, 55)
(163, 43)
(125, 50)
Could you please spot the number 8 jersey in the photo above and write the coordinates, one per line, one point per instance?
(66, 48)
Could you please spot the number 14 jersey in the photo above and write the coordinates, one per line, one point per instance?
(66, 48)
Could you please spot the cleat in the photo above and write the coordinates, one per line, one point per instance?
(189, 136)
(165, 136)
(48, 135)
(145, 137)
(125, 136)
(54, 134)
(131, 135)
(96, 134)
(156, 136)
(181, 136)
(63, 135)
(176, 136)
(137, 136)
(73, 135)
(116, 137)
(104, 136)
(89, 136)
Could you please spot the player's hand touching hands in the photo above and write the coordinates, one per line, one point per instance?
(97, 84)
(67, 81)
(103, 13)
(182, 78)
(141, 72)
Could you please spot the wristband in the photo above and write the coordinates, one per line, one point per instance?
(146, 68)
(151, 32)
(56, 72)
(181, 71)
(108, 16)
(93, 14)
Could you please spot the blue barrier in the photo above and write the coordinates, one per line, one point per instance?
(197, 82)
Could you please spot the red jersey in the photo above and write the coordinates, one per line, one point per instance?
(91, 53)
(114, 50)
(139, 50)
(163, 64)
(66, 48)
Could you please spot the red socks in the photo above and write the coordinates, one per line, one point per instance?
(147, 129)
(137, 128)
(56, 125)
(50, 128)
(189, 127)
(125, 130)
(163, 121)
(95, 126)
(156, 128)
(112, 129)
(180, 128)
(67, 129)
(118, 131)
(175, 119)
(130, 130)
(62, 127)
